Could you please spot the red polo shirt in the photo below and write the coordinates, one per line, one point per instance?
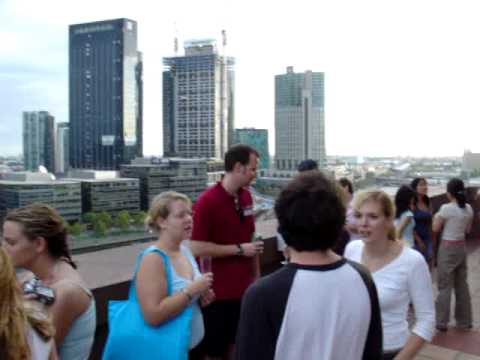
(216, 220)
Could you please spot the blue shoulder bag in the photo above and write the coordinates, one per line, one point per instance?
(132, 338)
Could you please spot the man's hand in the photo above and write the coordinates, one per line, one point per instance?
(252, 248)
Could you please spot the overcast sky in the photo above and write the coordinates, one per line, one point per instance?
(402, 77)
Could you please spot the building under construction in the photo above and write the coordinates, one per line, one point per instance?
(198, 98)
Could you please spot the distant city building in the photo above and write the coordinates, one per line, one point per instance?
(106, 191)
(258, 139)
(299, 119)
(105, 81)
(62, 148)
(188, 176)
(38, 140)
(471, 162)
(22, 188)
(198, 95)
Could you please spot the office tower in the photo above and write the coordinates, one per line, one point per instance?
(198, 95)
(105, 82)
(258, 139)
(38, 140)
(299, 119)
(62, 148)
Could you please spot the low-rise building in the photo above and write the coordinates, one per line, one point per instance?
(23, 188)
(106, 191)
(187, 176)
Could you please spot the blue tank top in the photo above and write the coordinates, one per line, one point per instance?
(78, 342)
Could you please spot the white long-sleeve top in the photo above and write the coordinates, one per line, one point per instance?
(404, 280)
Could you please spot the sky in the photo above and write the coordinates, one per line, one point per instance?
(402, 78)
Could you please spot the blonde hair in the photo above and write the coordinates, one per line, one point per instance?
(383, 199)
(160, 208)
(15, 317)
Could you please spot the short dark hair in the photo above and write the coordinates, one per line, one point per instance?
(344, 182)
(307, 165)
(238, 153)
(310, 212)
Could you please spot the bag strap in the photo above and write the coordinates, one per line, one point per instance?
(166, 262)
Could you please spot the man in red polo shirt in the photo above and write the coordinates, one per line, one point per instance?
(223, 226)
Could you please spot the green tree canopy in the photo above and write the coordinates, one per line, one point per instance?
(106, 218)
(139, 217)
(100, 228)
(89, 217)
(75, 229)
(123, 220)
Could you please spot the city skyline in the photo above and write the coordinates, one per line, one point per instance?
(393, 71)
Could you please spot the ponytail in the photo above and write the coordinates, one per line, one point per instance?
(456, 188)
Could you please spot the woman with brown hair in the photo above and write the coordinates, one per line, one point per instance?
(24, 333)
(36, 239)
(400, 274)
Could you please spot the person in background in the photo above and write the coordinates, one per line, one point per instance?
(453, 221)
(400, 274)
(350, 225)
(422, 215)
(307, 165)
(170, 216)
(35, 237)
(318, 306)
(405, 201)
(24, 332)
(223, 228)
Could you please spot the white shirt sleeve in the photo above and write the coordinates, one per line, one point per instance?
(421, 294)
(353, 251)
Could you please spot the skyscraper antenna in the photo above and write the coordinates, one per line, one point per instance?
(224, 39)
(175, 40)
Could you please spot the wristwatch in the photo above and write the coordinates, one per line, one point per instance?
(240, 251)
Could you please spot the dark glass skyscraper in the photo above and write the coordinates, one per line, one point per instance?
(105, 75)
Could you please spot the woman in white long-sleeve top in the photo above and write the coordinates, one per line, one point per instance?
(400, 274)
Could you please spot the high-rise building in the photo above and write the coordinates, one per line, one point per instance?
(258, 139)
(299, 119)
(198, 95)
(62, 148)
(38, 140)
(105, 79)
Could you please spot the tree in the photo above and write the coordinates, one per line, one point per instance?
(100, 228)
(106, 218)
(75, 229)
(139, 218)
(123, 220)
(89, 217)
